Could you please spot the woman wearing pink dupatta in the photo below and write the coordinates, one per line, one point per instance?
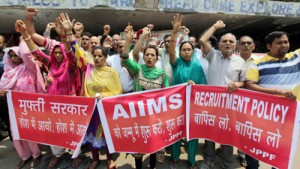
(21, 73)
(63, 78)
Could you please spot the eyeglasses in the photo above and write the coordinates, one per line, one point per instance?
(248, 43)
(187, 50)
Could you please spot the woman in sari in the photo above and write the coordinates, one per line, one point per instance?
(100, 81)
(21, 73)
(186, 68)
(146, 77)
(63, 78)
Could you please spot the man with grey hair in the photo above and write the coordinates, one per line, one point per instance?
(246, 46)
(225, 69)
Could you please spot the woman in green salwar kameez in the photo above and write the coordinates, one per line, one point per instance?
(146, 77)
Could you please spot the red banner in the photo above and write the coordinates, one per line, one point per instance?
(144, 122)
(50, 119)
(261, 125)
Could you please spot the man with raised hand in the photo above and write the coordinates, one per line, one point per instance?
(225, 69)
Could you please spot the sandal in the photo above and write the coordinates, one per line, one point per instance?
(53, 162)
(36, 161)
(243, 161)
(22, 163)
(76, 161)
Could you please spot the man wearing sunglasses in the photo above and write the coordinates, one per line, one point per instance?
(246, 46)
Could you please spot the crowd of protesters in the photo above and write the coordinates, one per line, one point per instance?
(80, 64)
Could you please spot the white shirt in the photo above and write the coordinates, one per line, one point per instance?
(203, 61)
(222, 70)
(114, 61)
(251, 59)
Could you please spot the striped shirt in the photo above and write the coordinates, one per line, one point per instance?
(272, 72)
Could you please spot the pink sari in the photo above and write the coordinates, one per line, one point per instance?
(25, 77)
(66, 76)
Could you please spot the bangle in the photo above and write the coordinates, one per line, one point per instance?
(172, 40)
(29, 37)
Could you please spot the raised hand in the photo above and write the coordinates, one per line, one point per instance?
(219, 25)
(107, 42)
(59, 28)
(129, 33)
(20, 27)
(50, 26)
(30, 12)
(150, 26)
(106, 29)
(65, 22)
(177, 20)
(146, 32)
(184, 30)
